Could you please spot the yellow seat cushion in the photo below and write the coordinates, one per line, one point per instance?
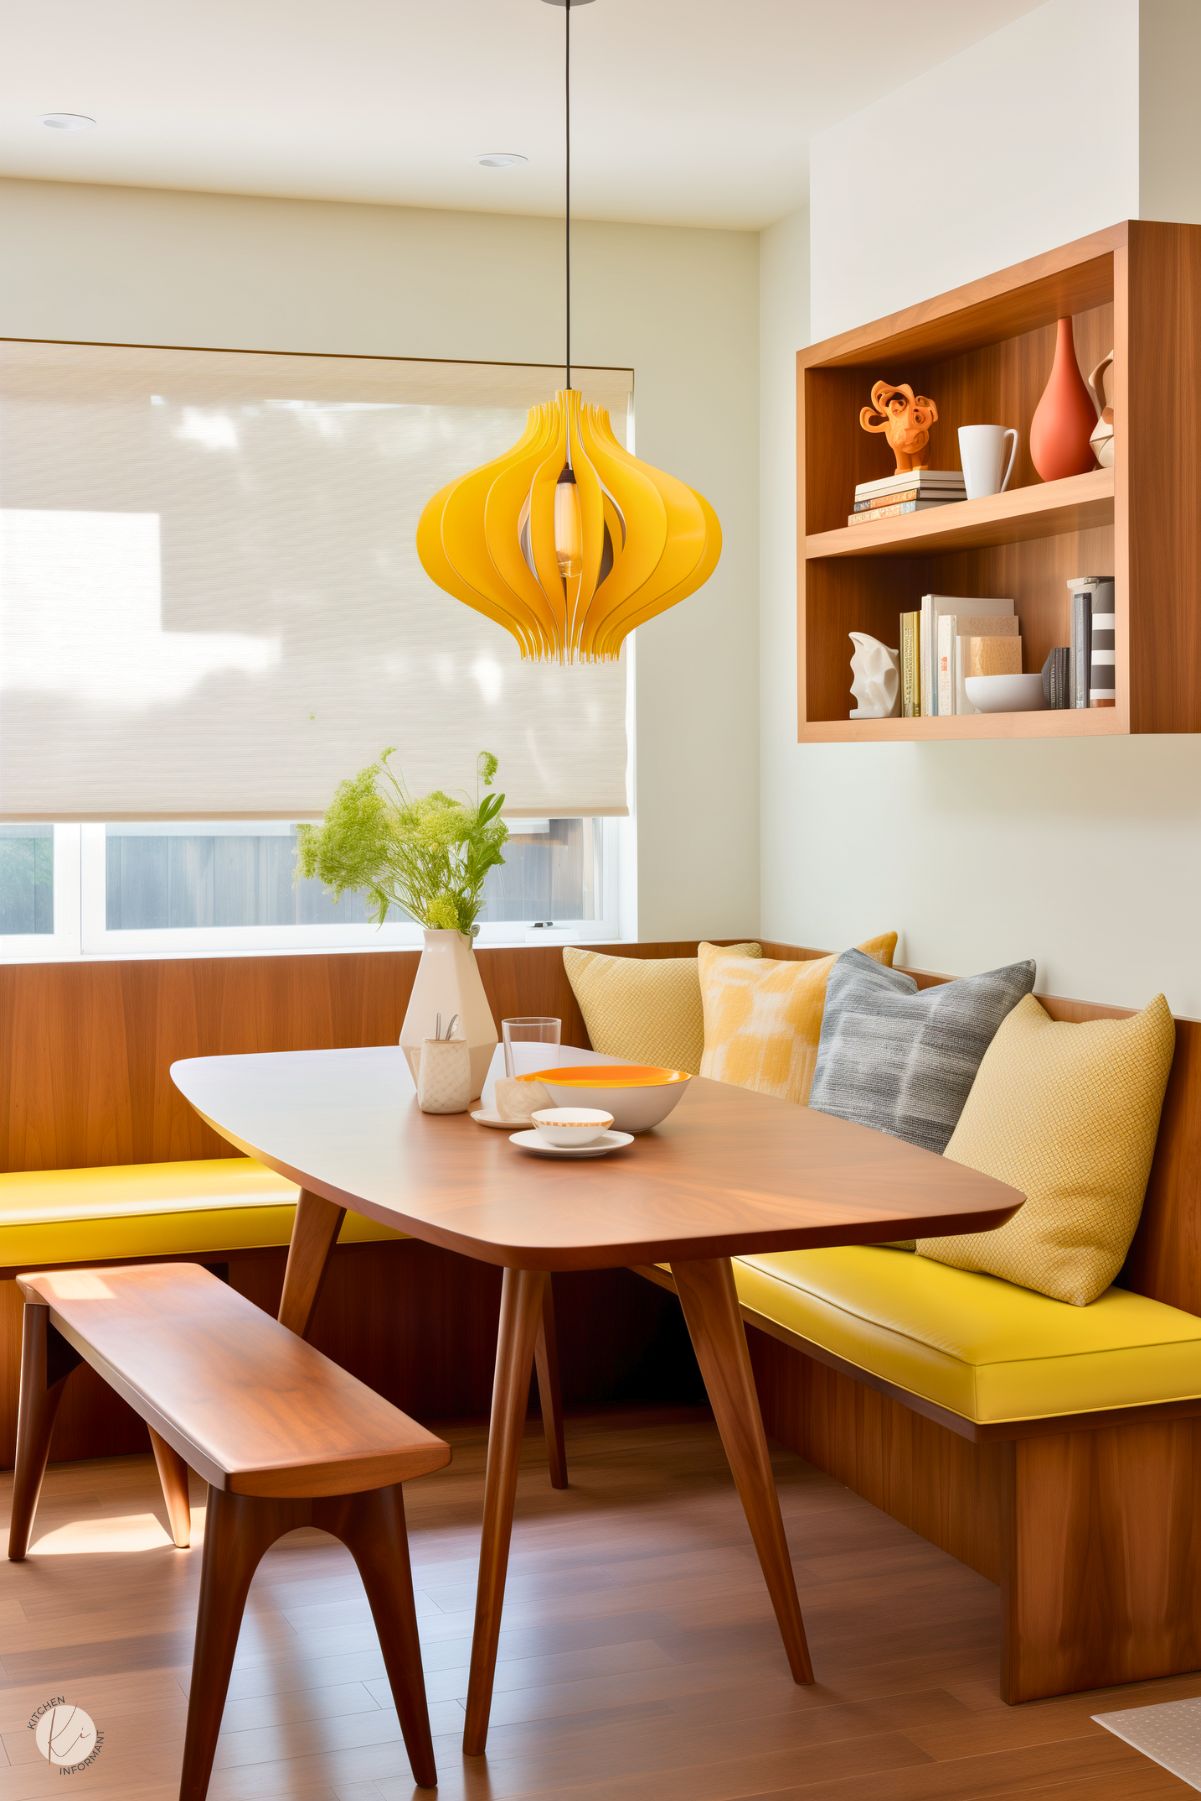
(59, 1216)
(643, 1009)
(980, 1347)
(1068, 1114)
(763, 1019)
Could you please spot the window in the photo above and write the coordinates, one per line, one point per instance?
(26, 881)
(185, 887)
(212, 611)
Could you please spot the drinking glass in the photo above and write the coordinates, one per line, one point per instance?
(530, 1044)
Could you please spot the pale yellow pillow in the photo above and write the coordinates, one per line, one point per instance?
(645, 1008)
(763, 1020)
(1068, 1114)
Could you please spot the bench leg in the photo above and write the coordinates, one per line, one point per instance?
(173, 1475)
(372, 1527)
(46, 1362)
(550, 1394)
(1101, 1578)
(238, 1529)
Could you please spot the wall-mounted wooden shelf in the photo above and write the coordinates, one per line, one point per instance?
(984, 352)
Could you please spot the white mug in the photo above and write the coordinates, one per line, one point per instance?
(982, 451)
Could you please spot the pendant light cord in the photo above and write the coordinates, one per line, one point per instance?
(567, 166)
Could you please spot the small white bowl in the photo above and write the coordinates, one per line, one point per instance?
(1006, 693)
(570, 1128)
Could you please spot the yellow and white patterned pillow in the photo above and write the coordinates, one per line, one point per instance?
(646, 1009)
(1069, 1114)
(763, 1019)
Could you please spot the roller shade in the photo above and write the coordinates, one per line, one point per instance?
(210, 599)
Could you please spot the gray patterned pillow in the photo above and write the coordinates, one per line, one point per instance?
(901, 1058)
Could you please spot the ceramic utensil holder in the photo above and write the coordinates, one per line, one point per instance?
(444, 1076)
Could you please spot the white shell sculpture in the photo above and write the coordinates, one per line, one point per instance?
(875, 679)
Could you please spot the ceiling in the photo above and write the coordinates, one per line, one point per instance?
(685, 111)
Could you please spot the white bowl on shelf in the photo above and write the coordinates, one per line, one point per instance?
(1005, 693)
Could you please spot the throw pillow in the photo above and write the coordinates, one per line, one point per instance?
(903, 1058)
(1069, 1114)
(763, 1020)
(645, 1009)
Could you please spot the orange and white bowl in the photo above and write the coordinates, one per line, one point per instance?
(570, 1128)
(637, 1096)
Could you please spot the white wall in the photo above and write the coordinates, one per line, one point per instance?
(1169, 117)
(1025, 140)
(679, 306)
(1084, 855)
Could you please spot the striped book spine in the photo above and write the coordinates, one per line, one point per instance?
(1102, 671)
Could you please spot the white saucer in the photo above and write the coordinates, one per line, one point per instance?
(488, 1116)
(600, 1147)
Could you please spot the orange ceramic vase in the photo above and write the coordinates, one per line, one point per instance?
(1065, 417)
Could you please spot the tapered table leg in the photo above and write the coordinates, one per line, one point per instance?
(314, 1234)
(520, 1313)
(550, 1393)
(710, 1303)
(173, 1475)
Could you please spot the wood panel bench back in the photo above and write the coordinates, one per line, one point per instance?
(86, 1049)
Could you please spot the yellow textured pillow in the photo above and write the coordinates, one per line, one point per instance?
(645, 1008)
(1069, 1114)
(763, 1020)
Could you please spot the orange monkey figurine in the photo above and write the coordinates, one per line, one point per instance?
(906, 417)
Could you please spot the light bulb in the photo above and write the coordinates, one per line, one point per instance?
(569, 528)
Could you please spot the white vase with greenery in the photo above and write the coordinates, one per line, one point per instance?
(429, 857)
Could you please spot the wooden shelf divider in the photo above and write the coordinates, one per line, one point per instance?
(1038, 511)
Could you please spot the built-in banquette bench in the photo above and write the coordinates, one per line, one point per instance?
(101, 1160)
(1055, 1449)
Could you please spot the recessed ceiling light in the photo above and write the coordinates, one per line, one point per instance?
(68, 121)
(501, 159)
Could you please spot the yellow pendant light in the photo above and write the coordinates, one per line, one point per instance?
(567, 540)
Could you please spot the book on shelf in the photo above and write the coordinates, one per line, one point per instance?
(982, 615)
(891, 512)
(922, 481)
(1057, 677)
(911, 682)
(1094, 623)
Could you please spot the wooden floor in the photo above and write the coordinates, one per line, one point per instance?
(639, 1660)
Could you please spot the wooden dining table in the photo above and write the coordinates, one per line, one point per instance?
(729, 1172)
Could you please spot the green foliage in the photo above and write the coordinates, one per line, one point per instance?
(428, 856)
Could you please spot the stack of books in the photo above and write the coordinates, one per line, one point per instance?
(951, 637)
(905, 493)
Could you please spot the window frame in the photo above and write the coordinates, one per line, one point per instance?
(82, 934)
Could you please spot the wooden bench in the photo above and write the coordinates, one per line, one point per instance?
(282, 1436)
